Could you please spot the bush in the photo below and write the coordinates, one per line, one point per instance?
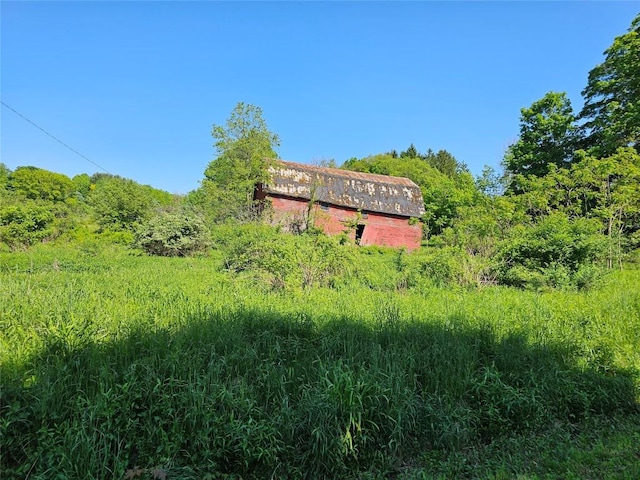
(323, 259)
(555, 252)
(173, 234)
(282, 260)
(445, 266)
(23, 225)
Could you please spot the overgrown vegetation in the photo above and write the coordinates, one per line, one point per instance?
(112, 362)
(178, 233)
(254, 353)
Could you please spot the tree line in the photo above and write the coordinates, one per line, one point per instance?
(566, 203)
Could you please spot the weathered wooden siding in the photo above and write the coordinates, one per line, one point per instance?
(391, 231)
(379, 229)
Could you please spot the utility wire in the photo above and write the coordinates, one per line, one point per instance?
(55, 138)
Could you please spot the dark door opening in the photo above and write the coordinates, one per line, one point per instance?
(359, 233)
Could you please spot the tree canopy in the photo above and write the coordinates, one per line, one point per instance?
(548, 136)
(569, 195)
(611, 112)
(37, 183)
(445, 183)
(244, 146)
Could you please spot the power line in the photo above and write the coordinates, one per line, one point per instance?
(52, 136)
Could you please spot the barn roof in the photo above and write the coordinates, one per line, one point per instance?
(363, 191)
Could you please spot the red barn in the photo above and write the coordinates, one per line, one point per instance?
(371, 209)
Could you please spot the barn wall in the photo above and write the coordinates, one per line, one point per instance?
(391, 231)
(379, 229)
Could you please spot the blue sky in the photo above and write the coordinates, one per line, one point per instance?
(137, 86)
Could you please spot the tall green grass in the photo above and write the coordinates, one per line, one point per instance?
(111, 361)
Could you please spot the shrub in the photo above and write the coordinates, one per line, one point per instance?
(281, 260)
(173, 234)
(553, 252)
(23, 225)
(445, 266)
(323, 259)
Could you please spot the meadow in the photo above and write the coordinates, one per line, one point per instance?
(115, 365)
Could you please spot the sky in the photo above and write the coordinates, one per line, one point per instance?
(135, 87)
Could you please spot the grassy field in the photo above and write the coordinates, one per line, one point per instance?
(122, 366)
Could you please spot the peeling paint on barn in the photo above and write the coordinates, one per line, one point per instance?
(372, 209)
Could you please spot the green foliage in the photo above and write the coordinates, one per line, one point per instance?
(5, 193)
(82, 185)
(323, 260)
(443, 194)
(548, 173)
(120, 204)
(442, 161)
(243, 146)
(445, 163)
(283, 260)
(262, 252)
(39, 184)
(490, 183)
(548, 136)
(23, 225)
(555, 252)
(118, 365)
(173, 234)
(410, 152)
(5, 174)
(480, 227)
(160, 197)
(607, 189)
(611, 189)
(443, 199)
(612, 108)
(442, 267)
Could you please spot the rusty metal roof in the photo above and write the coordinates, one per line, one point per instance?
(363, 191)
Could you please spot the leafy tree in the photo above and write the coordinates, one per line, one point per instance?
(607, 189)
(479, 228)
(160, 197)
(444, 161)
(442, 194)
(283, 260)
(119, 204)
(490, 182)
(610, 190)
(244, 147)
(612, 97)
(443, 197)
(548, 135)
(82, 184)
(39, 184)
(100, 176)
(4, 175)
